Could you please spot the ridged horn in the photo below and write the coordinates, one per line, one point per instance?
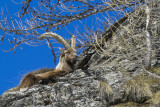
(57, 37)
(73, 42)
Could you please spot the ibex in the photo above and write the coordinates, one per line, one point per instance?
(66, 63)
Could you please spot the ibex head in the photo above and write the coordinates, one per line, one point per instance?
(68, 56)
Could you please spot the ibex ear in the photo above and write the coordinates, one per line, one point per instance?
(73, 42)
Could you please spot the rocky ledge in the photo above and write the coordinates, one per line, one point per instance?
(108, 74)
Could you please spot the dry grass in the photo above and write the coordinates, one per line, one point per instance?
(129, 104)
(155, 99)
(128, 39)
(106, 89)
(137, 91)
(141, 88)
(155, 70)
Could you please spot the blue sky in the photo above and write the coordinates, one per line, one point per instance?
(14, 66)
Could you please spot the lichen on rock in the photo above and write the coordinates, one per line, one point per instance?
(114, 77)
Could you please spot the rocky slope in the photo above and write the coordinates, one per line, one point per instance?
(109, 73)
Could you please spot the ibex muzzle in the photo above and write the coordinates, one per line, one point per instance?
(70, 56)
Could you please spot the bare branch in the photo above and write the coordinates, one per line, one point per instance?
(50, 15)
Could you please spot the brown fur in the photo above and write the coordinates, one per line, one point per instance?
(67, 60)
(65, 65)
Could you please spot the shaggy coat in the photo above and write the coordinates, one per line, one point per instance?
(66, 65)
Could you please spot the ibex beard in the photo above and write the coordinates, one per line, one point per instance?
(66, 63)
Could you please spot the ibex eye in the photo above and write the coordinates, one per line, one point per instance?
(67, 52)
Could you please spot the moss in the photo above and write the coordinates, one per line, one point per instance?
(155, 70)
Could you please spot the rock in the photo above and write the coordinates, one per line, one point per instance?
(76, 89)
(113, 77)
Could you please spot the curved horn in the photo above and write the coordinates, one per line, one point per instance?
(73, 42)
(57, 37)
